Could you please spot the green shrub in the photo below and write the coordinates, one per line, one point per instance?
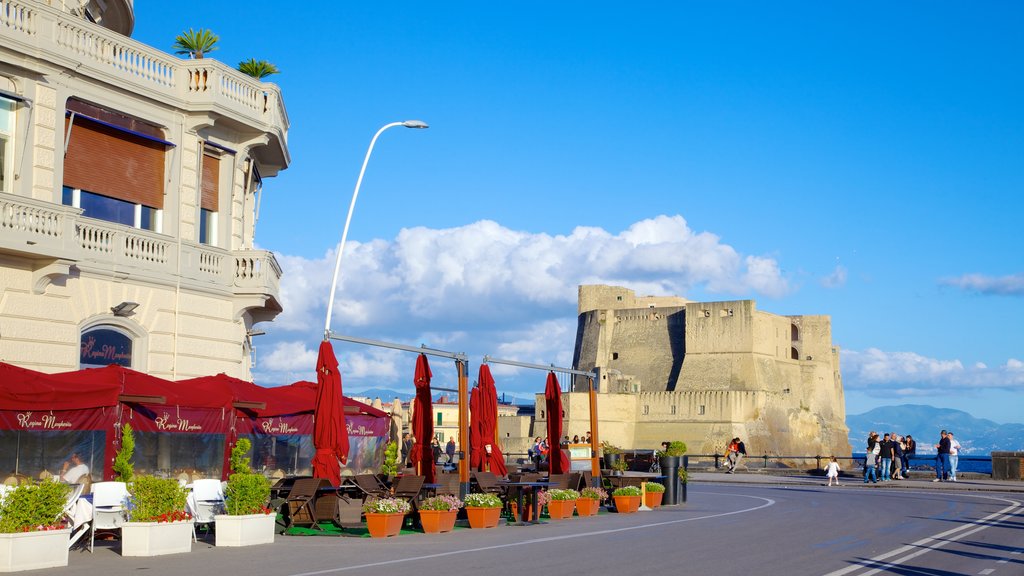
(390, 467)
(655, 487)
(683, 476)
(238, 460)
(610, 448)
(619, 465)
(123, 467)
(628, 491)
(31, 507)
(246, 493)
(157, 500)
(481, 500)
(677, 448)
(563, 494)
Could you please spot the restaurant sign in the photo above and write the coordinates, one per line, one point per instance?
(104, 346)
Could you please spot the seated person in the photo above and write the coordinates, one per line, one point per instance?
(73, 469)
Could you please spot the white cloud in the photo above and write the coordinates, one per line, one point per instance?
(911, 374)
(485, 289)
(837, 279)
(1011, 285)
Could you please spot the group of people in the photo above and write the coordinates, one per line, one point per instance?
(408, 440)
(735, 450)
(888, 457)
(540, 450)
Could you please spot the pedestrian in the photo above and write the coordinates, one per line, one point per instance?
(576, 439)
(832, 471)
(731, 451)
(406, 448)
(885, 456)
(741, 452)
(449, 449)
(897, 457)
(871, 458)
(435, 449)
(588, 440)
(942, 463)
(954, 456)
(908, 454)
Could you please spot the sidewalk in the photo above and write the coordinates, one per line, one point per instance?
(919, 481)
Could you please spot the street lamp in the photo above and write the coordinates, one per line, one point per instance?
(348, 219)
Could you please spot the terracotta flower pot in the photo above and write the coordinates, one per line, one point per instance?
(437, 521)
(561, 509)
(382, 525)
(587, 506)
(627, 504)
(515, 512)
(653, 499)
(483, 517)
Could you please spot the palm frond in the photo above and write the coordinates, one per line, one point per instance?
(195, 42)
(258, 69)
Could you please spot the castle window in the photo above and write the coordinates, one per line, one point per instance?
(707, 313)
(794, 354)
(672, 409)
(647, 409)
(700, 410)
(615, 355)
(725, 312)
(794, 333)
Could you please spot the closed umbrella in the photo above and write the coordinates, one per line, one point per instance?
(489, 421)
(558, 462)
(422, 424)
(476, 456)
(330, 436)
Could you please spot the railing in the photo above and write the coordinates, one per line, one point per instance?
(979, 464)
(138, 67)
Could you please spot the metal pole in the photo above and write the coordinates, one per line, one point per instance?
(463, 367)
(595, 463)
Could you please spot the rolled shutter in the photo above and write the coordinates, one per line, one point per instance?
(210, 186)
(115, 163)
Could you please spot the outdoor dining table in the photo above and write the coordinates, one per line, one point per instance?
(530, 487)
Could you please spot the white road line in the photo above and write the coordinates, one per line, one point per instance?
(767, 502)
(930, 543)
(987, 571)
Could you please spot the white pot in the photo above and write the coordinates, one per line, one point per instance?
(155, 538)
(245, 530)
(32, 550)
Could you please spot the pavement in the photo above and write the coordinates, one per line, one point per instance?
(917, 481)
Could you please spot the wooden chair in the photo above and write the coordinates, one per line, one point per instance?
(369, 485)
(449, 484)
(559, 481)
(301, 502)
(487, 482)
(408, 487)
(348, 510)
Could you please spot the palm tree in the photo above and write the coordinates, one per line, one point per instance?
(195, 43)
(258, 69)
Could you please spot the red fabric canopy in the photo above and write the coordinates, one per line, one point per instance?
(330, 437)
(489, 422)
(558, 463)
(422, 456)
(476, 455)
(24, 389)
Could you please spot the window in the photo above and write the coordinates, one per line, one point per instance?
(700, 410)
(6, 141)
(794, 354)
(672, 409)
(647, 409)
(112, 209)
(104, 345)
(615, 355)
(794, 332)
(209, 198)
(438, 419)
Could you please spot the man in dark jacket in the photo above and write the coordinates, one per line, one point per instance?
(942, 463)
(886, 454)
(449, 449)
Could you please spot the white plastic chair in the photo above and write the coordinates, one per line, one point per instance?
(72, 511)
(108, 507)
(205, 501)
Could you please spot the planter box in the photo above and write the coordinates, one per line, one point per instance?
(587, 506)
(32, 550)
(155, 538)
(382, 525)
(626, 504)
(483, 517)
(653, 499)
(438, 521)
(244, 530)
(561, 509)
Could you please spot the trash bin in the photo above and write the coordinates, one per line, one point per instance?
(675, 492)
(1008, 465)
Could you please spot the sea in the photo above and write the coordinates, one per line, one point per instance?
(979, 464)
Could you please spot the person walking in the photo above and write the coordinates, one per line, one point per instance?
(435, 449)
(449, 449)
(942, 458)
(954, 456)
(741, 452)
(832, 471)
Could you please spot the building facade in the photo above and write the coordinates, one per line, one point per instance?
(705, 372)
(130, 182)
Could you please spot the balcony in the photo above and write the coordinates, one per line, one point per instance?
(51, 232)
(34, 31)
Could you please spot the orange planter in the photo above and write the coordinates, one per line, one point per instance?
(653, 499)
(587, 506)
(515, 512)
(437, 521)
(561, 509)
(627, 504)
(383, 525)
(483, 517)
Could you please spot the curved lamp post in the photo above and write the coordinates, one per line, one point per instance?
(351, 208)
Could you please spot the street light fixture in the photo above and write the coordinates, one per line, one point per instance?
(419, 124)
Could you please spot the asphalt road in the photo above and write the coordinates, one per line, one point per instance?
(724, 529)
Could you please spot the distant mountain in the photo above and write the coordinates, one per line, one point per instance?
(386, 396)
(977, 435)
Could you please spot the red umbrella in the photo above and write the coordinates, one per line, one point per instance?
(558, 462)
(489, 421)
(422, 424)
(330, 436)
(476, 459)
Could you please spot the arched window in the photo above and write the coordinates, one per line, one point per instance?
(794, 332)
(103, 345)
(794, 354)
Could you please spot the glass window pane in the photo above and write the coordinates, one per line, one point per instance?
(106, 208)
(148, 218)
(68, 196)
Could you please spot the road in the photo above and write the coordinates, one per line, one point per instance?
(724, 529)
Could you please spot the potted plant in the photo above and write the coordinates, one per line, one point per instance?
(32, 530)
(483, 510)
(437, 513)
(683, 476)
(247, 519)
(384, 516)
(158, 523)
(627, 499)
(258, 69)
(562, 504)
(653, 492)
(195, 43)
(124, 468)
(612, 454)
(590, 500)
(619, 466)
(672, 454)
(390, 466)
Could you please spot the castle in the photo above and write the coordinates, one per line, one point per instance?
(705, 372)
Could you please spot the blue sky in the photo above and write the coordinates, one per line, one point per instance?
(863, 161)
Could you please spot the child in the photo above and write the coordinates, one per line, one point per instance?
(832, 471)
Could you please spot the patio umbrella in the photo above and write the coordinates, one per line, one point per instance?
(330, 436)
(422, 424)
(489, 422)
(558, 463)
(476, 459)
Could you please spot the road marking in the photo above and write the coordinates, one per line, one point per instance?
(987, 571)
(767, 502)
(927, 544)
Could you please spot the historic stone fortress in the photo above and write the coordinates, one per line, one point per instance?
(705, 372)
